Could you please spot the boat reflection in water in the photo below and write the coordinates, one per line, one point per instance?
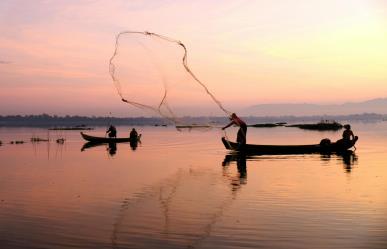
(347, 158)
(188, 208)
(111, 147)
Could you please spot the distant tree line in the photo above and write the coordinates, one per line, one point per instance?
(45, 120)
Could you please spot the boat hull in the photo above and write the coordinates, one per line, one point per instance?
(94, 139)
(288, 149)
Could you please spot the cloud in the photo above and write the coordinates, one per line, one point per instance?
(5, 62)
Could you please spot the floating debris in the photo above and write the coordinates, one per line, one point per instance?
(38, 139)
(17, 142)
(60, 141)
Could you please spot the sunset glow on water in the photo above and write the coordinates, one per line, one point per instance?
(187, 191)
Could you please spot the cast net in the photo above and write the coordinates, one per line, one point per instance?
(151, 73)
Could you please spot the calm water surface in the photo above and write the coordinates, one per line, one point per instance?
(183, 190)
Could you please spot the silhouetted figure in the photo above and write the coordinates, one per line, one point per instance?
(134, 138)
(347, 133)
(112, 131)
(133, 135)
(241, 136)
(348, 136)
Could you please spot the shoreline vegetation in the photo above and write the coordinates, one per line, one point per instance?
(81, 127)
(81, 122)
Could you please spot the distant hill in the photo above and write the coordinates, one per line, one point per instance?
(370, 106)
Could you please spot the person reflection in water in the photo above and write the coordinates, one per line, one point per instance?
(349, 160)
(241, 136)
(112, 149)
(133, 145)
(240, 160)
(241, 166)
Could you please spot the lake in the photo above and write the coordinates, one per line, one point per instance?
(184, 190)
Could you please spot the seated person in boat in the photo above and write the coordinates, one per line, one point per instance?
(112, 131)
(348, 135)
(133, 135)
(241, 136)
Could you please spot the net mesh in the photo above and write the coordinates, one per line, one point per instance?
(151, 72)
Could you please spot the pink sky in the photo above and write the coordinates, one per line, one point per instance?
(54, 54)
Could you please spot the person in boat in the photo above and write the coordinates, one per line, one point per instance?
(112, 131)
(348, 135)
(133, 135)
(241, 135)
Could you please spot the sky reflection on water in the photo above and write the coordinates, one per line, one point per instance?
(184, 190)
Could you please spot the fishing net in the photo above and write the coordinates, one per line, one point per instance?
(151, 73)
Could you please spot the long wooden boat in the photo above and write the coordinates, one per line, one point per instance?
(289, 149)
(108, 139)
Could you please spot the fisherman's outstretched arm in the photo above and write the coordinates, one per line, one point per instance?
(231, 123)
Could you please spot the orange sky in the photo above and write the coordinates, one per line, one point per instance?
(54, 54)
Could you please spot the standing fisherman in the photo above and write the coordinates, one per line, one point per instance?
(241, 136)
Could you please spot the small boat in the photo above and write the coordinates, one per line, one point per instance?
(108, 139)
(325, 146)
